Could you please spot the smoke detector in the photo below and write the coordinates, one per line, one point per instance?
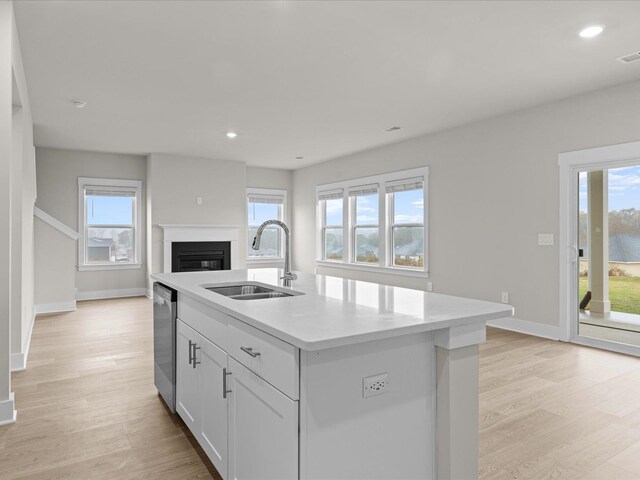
(632, 57)
(393, 129)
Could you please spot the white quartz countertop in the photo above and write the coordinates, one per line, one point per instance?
(334, 311)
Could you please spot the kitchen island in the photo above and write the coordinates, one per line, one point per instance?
(341, 379)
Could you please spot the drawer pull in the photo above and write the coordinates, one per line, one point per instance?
(250, 351)
(195, 360)
(225, 372)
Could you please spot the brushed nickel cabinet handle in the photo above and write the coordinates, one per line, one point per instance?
(250, 351)
(195, 359)
(224, 382)
(190, 355)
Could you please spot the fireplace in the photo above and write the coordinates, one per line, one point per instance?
(200, 256)
(218, 241)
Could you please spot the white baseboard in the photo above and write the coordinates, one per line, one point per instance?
(536, 329)
(19, 360)
(7, 411)
(58, 307)
(118, 293)
(149, 293)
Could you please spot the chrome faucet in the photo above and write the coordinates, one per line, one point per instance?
(288, 275)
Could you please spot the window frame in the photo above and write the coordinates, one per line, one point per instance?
(354, 226)
(267, 192)
(115, 183)
(324, 227)
(385, 223)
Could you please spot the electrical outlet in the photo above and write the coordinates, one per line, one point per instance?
(375, 385)
(198, 200)
(429, 287)
(505, 297)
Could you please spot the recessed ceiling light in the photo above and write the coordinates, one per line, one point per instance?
(591, 31)
(393, 129)
(232, 134)
(79, 103)
(299, 157)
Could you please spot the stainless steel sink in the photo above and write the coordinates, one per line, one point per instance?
(249, 291)
(259, 296)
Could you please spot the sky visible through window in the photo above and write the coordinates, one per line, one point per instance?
(334, 212)
(409, 208)
(624, 189)
(367, 209)
(261, 212)
(108, 210)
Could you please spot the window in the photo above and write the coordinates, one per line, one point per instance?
(332, 219)
(366, 232)
(375, 222)
(109, 219)
(262, 205)
(406, 203)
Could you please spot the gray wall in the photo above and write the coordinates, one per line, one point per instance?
(258, 177)
(58, 172)
(23, 187)
(175, 182)
(493, 187)
(6, 405)
(17, 188)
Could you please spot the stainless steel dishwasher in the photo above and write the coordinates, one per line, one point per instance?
(164, 342)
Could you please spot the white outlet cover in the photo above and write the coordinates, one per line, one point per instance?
(375, 385)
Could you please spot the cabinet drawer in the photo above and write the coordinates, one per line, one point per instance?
(275, 361)
(209, 322)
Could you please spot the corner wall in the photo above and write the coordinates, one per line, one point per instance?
(17, 184)
(58, 172)
(176, 181)
(258, 177)
(493, 186)
(23, 197)
(7, 411)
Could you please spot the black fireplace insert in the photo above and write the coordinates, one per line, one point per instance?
(200, 256)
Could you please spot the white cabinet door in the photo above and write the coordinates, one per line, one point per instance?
(263, 429)
(213, 427)
(187, 382)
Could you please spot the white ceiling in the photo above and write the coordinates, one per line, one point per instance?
(318, 79)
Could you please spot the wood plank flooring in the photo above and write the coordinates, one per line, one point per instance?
(87, 408)
(551, 410)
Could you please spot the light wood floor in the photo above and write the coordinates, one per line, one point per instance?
(87, 408)
(551, 410)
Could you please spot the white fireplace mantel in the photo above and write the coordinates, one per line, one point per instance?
(200, 233)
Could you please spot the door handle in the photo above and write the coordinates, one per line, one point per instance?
(190, 355)
(195, 358)
(224, 382)
(250, 351)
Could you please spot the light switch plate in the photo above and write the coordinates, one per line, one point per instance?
(545, 239)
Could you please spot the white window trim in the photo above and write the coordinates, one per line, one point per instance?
(109, 182)
(271, 192)
(385, 223)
